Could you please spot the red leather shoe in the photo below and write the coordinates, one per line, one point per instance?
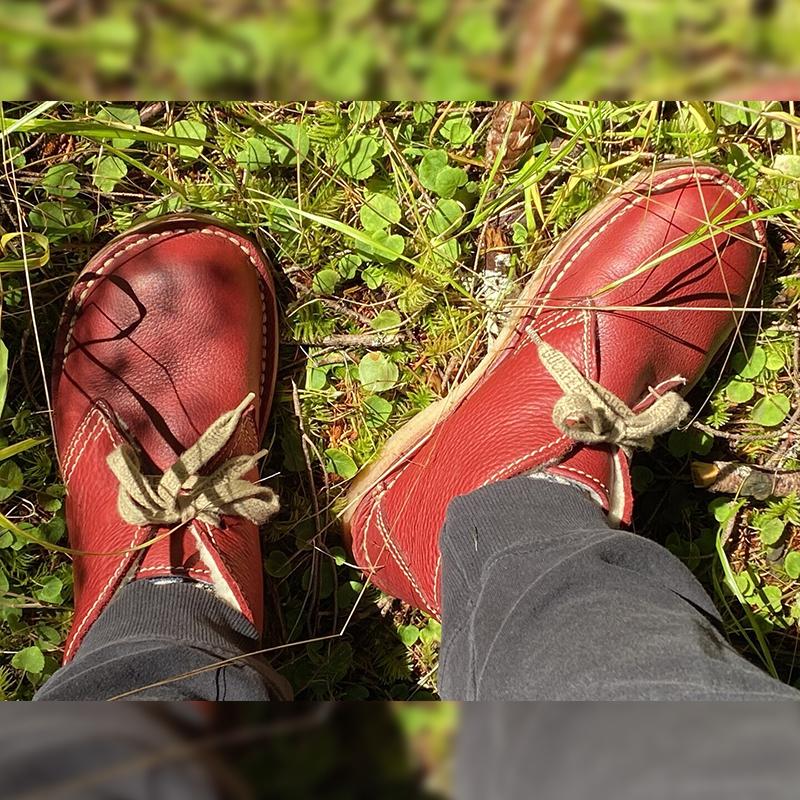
(585, 371)
(164, 374)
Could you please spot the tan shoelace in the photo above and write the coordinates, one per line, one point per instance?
(590, 413)
(181, 494)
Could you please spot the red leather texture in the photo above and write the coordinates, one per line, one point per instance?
(166, 328)
(503, 425)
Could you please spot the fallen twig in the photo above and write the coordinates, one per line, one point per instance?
(336, 305)
(369, 340)
(151, 112)
(713, 431)
(747, 480)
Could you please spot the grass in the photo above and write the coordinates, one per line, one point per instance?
(377, 215)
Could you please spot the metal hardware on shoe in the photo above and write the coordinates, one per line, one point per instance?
(590, 413)
(181, 494)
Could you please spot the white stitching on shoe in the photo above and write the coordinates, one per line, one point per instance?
(101, 425)
(387, 538)
(555, 322)
(169, 568)
(564, 323)
(600, 483)
(586, 334)
(76, 436)
(399, 560)
(510, 467)
(556, 317)
(368, 524)
(95, 432)
(264, 337)
(375, 506)
(212, 536)
(74, 454)
(101, 597)
(528, 330)
(219, 564)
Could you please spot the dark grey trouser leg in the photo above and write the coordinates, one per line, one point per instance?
(543, 601)
(628, 751)
(99, 751)
(155, 632)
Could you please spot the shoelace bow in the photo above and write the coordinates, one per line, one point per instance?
(590, 413)
(181, 494)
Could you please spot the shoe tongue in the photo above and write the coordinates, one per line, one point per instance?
(176, 554)
(603, 471)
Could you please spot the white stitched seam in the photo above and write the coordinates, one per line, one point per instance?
(517, 461)
(264, 337)
(556, 317)
(397, 557)
(101, 424)
(72, 450)
(584, 474)
(567, 323)
(124, 558)
(564, 323)
(555, 322)
(96, 430)
(187, 570)
(374, 507)
(212, 537)
(389, 542)
(364, 548)
(586, 366)
(100, 597)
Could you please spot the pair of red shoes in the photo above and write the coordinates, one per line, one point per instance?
(166, 363)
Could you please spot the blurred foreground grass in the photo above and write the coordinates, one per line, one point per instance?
(364, 48)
